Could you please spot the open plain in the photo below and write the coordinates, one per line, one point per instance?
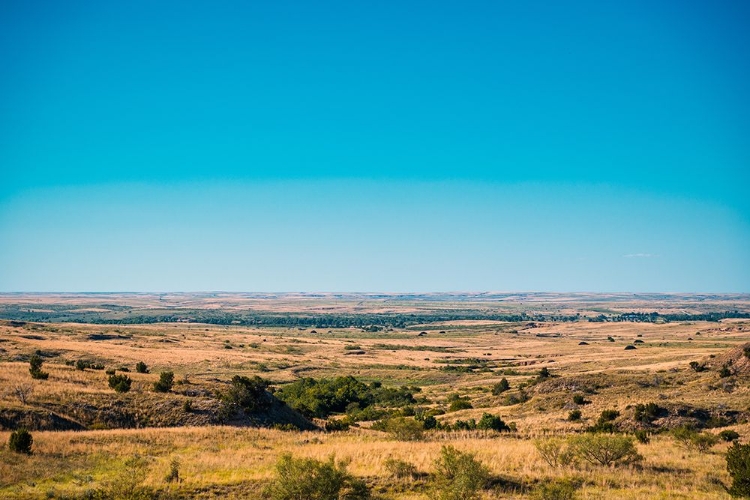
(567, 360)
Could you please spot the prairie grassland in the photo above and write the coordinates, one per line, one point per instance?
(224, 459)
(464, 357)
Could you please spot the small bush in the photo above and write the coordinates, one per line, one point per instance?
(580, 400)
(500, 387)
(602, 449)
(141, 367)
(490, 422)
(738, 466)
(458, 475)
(460, 404)
(166, 380)
(693, 440)
(20, 441)
(400, 469)
(698, 367)
(647, 413)
(725, 372)
(605, 423)
(120, 383)
(187, 406)
(173, 476)
(729, 435)
(574, 415)
(298, 478)
(555, 451)
(429, 422)
(544, 373)
(336, 425)
(35, 368)
(642, 436)
(403, 429)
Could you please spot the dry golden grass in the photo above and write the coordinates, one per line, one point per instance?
(219, 461)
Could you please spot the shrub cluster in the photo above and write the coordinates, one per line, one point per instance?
(120, 383)
(20, 441)
(244, 393)
(320, 398)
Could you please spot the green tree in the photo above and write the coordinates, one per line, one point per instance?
(35, 368)
(500, 387)
(120, 383)
(166, 380)
(738, 466)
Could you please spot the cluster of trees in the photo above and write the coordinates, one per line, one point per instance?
(655, 317)
(323, 397)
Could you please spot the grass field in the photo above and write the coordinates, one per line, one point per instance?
(445, 360)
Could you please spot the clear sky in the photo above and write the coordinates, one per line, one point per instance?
(375, 146)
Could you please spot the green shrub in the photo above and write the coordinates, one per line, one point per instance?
(460, 404)
(490, 422)
(336, 425)
(400, 469)
(738, 466)
(187, 406)
(20, 441)
(544, 373)
(555, 451)
(35, 368)
(605, 423)
(120, 383)
(500, 387)
(166, 380)
(310, 479)
(647, 413)
(729, 435)
(691, 439)
(580, 400)
(244, 393)
(429, 422)
(402, 428)
(642, 436)
(574, 415)
(555, 490)
(141, 367)
(603, 449)
(725, 372)
(173, 476)
(458, 475)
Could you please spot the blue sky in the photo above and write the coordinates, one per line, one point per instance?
(390, 146)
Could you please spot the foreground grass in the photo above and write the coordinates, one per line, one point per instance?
(233, 462)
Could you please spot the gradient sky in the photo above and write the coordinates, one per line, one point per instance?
(375, 146)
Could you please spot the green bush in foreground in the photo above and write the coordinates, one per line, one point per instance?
(21, 441)
(738, 466)
(458, 475)
(310, 479)
(141, 367)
